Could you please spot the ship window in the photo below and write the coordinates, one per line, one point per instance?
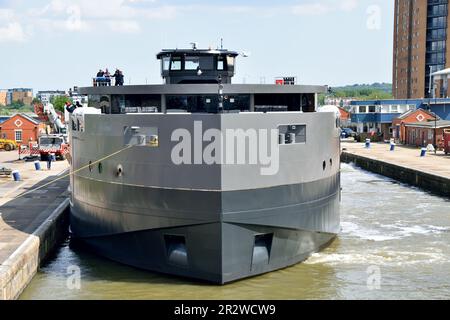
(192, 63)
(207, 63)
(176, 63)
(166, 63)
(230, 62)
(220, 65)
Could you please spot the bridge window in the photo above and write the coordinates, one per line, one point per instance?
(166, 63)
(176, 63)
(192, 63)
(220, 63)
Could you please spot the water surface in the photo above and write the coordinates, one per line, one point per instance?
(392, 235)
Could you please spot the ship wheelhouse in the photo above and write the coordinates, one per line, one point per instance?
(199, 81)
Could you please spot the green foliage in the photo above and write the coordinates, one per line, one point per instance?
(364, 91)
(59, 102)
(321, 98)
(36, 101)
(15, 107)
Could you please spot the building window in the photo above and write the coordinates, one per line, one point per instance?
(18, 135)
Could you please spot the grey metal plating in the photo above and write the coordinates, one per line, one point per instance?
(203, 221)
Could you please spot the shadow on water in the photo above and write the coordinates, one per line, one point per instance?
(379, 179)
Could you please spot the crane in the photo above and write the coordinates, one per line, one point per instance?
(47, 114)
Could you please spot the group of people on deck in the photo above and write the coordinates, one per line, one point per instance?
(103, 78)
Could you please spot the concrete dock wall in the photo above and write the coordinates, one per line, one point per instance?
(426, 181)
(18, 270)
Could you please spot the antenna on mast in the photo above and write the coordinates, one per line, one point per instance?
(221, 43)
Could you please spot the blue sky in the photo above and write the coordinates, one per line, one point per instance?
(56, 44)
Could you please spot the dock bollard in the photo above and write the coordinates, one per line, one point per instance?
(16, 175)
(37, 165)
(423, 152)
(367, 143)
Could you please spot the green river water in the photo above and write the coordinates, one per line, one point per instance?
(394, 244)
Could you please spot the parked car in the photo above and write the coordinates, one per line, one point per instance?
(348, 133)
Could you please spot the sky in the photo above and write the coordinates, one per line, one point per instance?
(58, 44)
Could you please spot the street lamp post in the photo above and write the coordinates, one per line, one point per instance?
(430, 86)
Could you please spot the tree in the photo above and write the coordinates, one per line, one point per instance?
(36, 101)
(16, 105)
(321, 99)
(59, 102)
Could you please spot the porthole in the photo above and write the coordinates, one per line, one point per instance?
(90, 166)
(324, 165)
(100, 168)
(119, 170)
(331, 162)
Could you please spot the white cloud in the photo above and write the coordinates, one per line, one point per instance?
(6, 14)
(349, 5)
(311, 9)
(324, 6)
(90, 15)
(12, 32)
(124, 26)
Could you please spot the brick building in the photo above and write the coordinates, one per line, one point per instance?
(3, 97)
(421, 134)
(411, 116)
(345, 117)
(23, 95)
(421, 29)
(20, 128)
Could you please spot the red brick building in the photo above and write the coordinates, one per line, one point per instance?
(411, 116)
(345, 117)
(422, 134)
(20, 128)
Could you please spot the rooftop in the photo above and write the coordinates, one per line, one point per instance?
(430, 124)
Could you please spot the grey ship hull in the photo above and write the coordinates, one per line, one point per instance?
(218, 223)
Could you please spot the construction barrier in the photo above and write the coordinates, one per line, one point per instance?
(34, 150)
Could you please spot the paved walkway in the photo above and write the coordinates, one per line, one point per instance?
(403, 156)
(21, 213)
